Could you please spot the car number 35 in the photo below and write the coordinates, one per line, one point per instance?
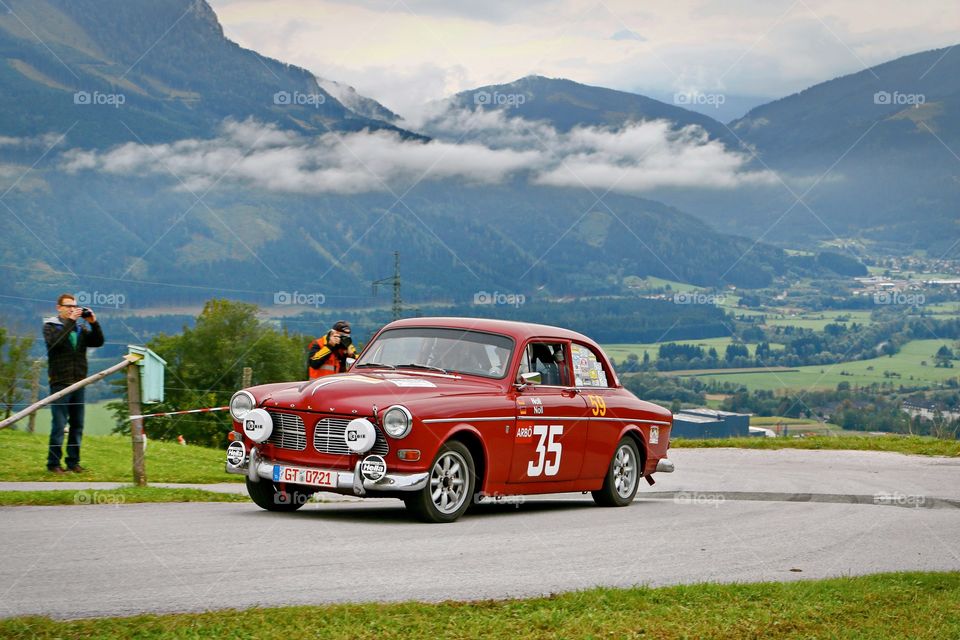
(547, 445)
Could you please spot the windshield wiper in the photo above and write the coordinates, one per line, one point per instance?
(414, 365)
(378, 365)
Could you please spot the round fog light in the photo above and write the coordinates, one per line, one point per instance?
(397, 421)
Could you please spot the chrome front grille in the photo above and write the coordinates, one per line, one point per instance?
(288, 431)
(328, 438)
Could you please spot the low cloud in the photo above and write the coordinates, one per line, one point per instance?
(474, 147)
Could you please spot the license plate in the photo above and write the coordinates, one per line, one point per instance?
(301, 475)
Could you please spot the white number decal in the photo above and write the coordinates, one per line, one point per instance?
(546, 444)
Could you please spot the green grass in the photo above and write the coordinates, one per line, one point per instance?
(907, 363)
(915, 445)
(122, 495)
(896, 605)
(97, 421)
(109, 459)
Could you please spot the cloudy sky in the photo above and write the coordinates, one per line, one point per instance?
(408, 52)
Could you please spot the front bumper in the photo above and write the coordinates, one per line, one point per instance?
(256, 468)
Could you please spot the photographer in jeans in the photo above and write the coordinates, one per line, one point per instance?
(329, 352)
(67, 344)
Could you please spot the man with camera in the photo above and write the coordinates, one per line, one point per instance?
(67, 344)
(329, 352)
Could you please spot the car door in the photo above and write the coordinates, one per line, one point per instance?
(607, 409)
(551, 430)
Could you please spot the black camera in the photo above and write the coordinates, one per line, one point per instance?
(345, 341)
(86, 313)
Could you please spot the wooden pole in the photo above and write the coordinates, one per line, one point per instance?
(136, 426)
(247, 378)
(34, 394)
(128, 359)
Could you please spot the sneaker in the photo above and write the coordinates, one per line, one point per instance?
(76, 469)
(56, 470)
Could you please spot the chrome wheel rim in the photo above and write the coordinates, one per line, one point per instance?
(448, 482)
(624, 471)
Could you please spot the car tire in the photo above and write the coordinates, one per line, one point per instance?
(450, 486)
(623, 476)
(267, 495)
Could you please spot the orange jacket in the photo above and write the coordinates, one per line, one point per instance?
(324, 361)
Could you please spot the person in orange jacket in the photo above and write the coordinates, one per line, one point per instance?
(329, 352)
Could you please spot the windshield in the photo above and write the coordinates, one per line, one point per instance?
(449, 350)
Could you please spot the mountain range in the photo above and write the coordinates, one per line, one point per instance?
(122, 202)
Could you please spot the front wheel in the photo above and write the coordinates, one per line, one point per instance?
(623, 476)
(449, 489)
(267, 495)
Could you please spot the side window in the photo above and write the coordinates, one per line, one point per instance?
(549, 359)
(588, 369)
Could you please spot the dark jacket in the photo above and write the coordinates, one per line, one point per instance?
(66, 364)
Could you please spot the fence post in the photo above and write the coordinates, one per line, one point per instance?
(136, 425)
(34, 394)
(247, 378)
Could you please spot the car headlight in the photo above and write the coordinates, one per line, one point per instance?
(240, 404)
(397, 421)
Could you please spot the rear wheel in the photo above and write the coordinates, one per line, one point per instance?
(623, 476)
(267, 495)
(449, 489)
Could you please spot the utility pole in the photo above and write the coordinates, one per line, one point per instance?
(394, 280)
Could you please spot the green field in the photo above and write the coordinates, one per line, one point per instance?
(907, 363)
(109, 459)
(620, 351)
(816, 321)
(652, 283)
(896, 605)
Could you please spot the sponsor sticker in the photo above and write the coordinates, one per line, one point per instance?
(414, 382)
(654, 434)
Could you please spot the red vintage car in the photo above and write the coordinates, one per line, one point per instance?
(444, 412)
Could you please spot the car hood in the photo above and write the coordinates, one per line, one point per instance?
(360, 392)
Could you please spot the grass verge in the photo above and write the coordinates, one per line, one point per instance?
(121, 495)
(109, 459)
(915, 445)
(898, 605)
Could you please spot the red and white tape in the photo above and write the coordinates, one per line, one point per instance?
(177, 413)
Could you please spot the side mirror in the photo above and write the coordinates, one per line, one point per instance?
(532, 377)
(350, 362)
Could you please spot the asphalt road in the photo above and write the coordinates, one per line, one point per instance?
(725, 515)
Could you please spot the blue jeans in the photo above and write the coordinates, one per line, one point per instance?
(68, 408)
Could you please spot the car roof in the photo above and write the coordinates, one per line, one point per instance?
(518, 330)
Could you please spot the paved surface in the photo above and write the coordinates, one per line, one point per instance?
(725, 515)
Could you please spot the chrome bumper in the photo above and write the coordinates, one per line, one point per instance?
(664, 466)
(256, 468)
